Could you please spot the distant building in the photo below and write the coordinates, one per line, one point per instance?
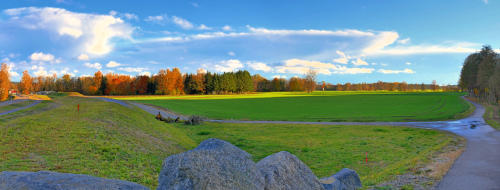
(12, 92)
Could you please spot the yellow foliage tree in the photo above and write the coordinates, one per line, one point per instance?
(4, 82)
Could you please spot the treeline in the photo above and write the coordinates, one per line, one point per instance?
(388, 86)
(173, 82)
(480, 75)
(165, 82)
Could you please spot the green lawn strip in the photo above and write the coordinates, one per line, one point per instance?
(14, 106)
(341, 106)
(103, 139)
(327, 149)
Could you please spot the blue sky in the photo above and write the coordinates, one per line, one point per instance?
(344, 41)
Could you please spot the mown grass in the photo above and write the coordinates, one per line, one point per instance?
(103, 139)
(327, 149)
(14, 106)
(319, 106)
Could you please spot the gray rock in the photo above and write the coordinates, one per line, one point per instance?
(345, 179)
(45, 180)
(214, 164)
(284, 171)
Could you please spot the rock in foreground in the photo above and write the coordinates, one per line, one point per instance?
(45, 180)
(214, 164)
(284, 171)
(346, 179)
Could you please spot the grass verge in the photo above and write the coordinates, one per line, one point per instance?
(325, 149)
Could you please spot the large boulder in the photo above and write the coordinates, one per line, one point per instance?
(214, 164)
(284, 171)
(45, 180)
(345, 179)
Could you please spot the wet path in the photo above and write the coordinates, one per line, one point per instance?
(477, 168)
(21, 108)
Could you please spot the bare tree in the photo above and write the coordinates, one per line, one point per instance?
(310, 81)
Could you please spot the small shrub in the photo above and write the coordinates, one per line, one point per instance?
(194, 120)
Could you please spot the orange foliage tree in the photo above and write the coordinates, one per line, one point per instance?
(26, 82)
(4, 82)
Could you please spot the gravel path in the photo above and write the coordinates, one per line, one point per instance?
(477, 168)
(9, 102)
(21, 108)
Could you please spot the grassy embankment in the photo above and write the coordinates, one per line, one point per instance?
(103, 139)
(319, 106)
(108, 140)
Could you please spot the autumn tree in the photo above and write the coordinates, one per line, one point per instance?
(4, 82)
(25, 84)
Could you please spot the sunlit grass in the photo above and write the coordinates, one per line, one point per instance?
(318, 106)
(327, 149)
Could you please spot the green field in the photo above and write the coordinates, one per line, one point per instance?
(108, 140)
(328, 149)
(319, 106)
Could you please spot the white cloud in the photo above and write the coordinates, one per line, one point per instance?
(408, 63)
(145, 73)
(195, 5)
(226, 28)
(279, 76)
(183, 23)
(132, 69)
(387, 71)
(40, 71)
(424, 49)
(382, 40)
(157, 18)
(359, 61)
(231, 53)
(83, 57)
(94, 31)
(204, 27)
(485, 1)
(403, 41)
(311, 32)
(298, 66)
(228, 65)
(94, 65)
(343, 59)
(112, 64)
(40, 56)
(130, 16)
(259, 66)
(201, 70)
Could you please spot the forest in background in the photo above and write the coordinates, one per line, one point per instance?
(173, 82)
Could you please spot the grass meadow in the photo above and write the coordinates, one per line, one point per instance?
(319, 106)
(108, 140)
(328, 149)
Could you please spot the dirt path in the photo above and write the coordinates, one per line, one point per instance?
(9, 102)
(477, 168)
(21, 108)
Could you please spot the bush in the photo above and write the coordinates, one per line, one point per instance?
(194, 120)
